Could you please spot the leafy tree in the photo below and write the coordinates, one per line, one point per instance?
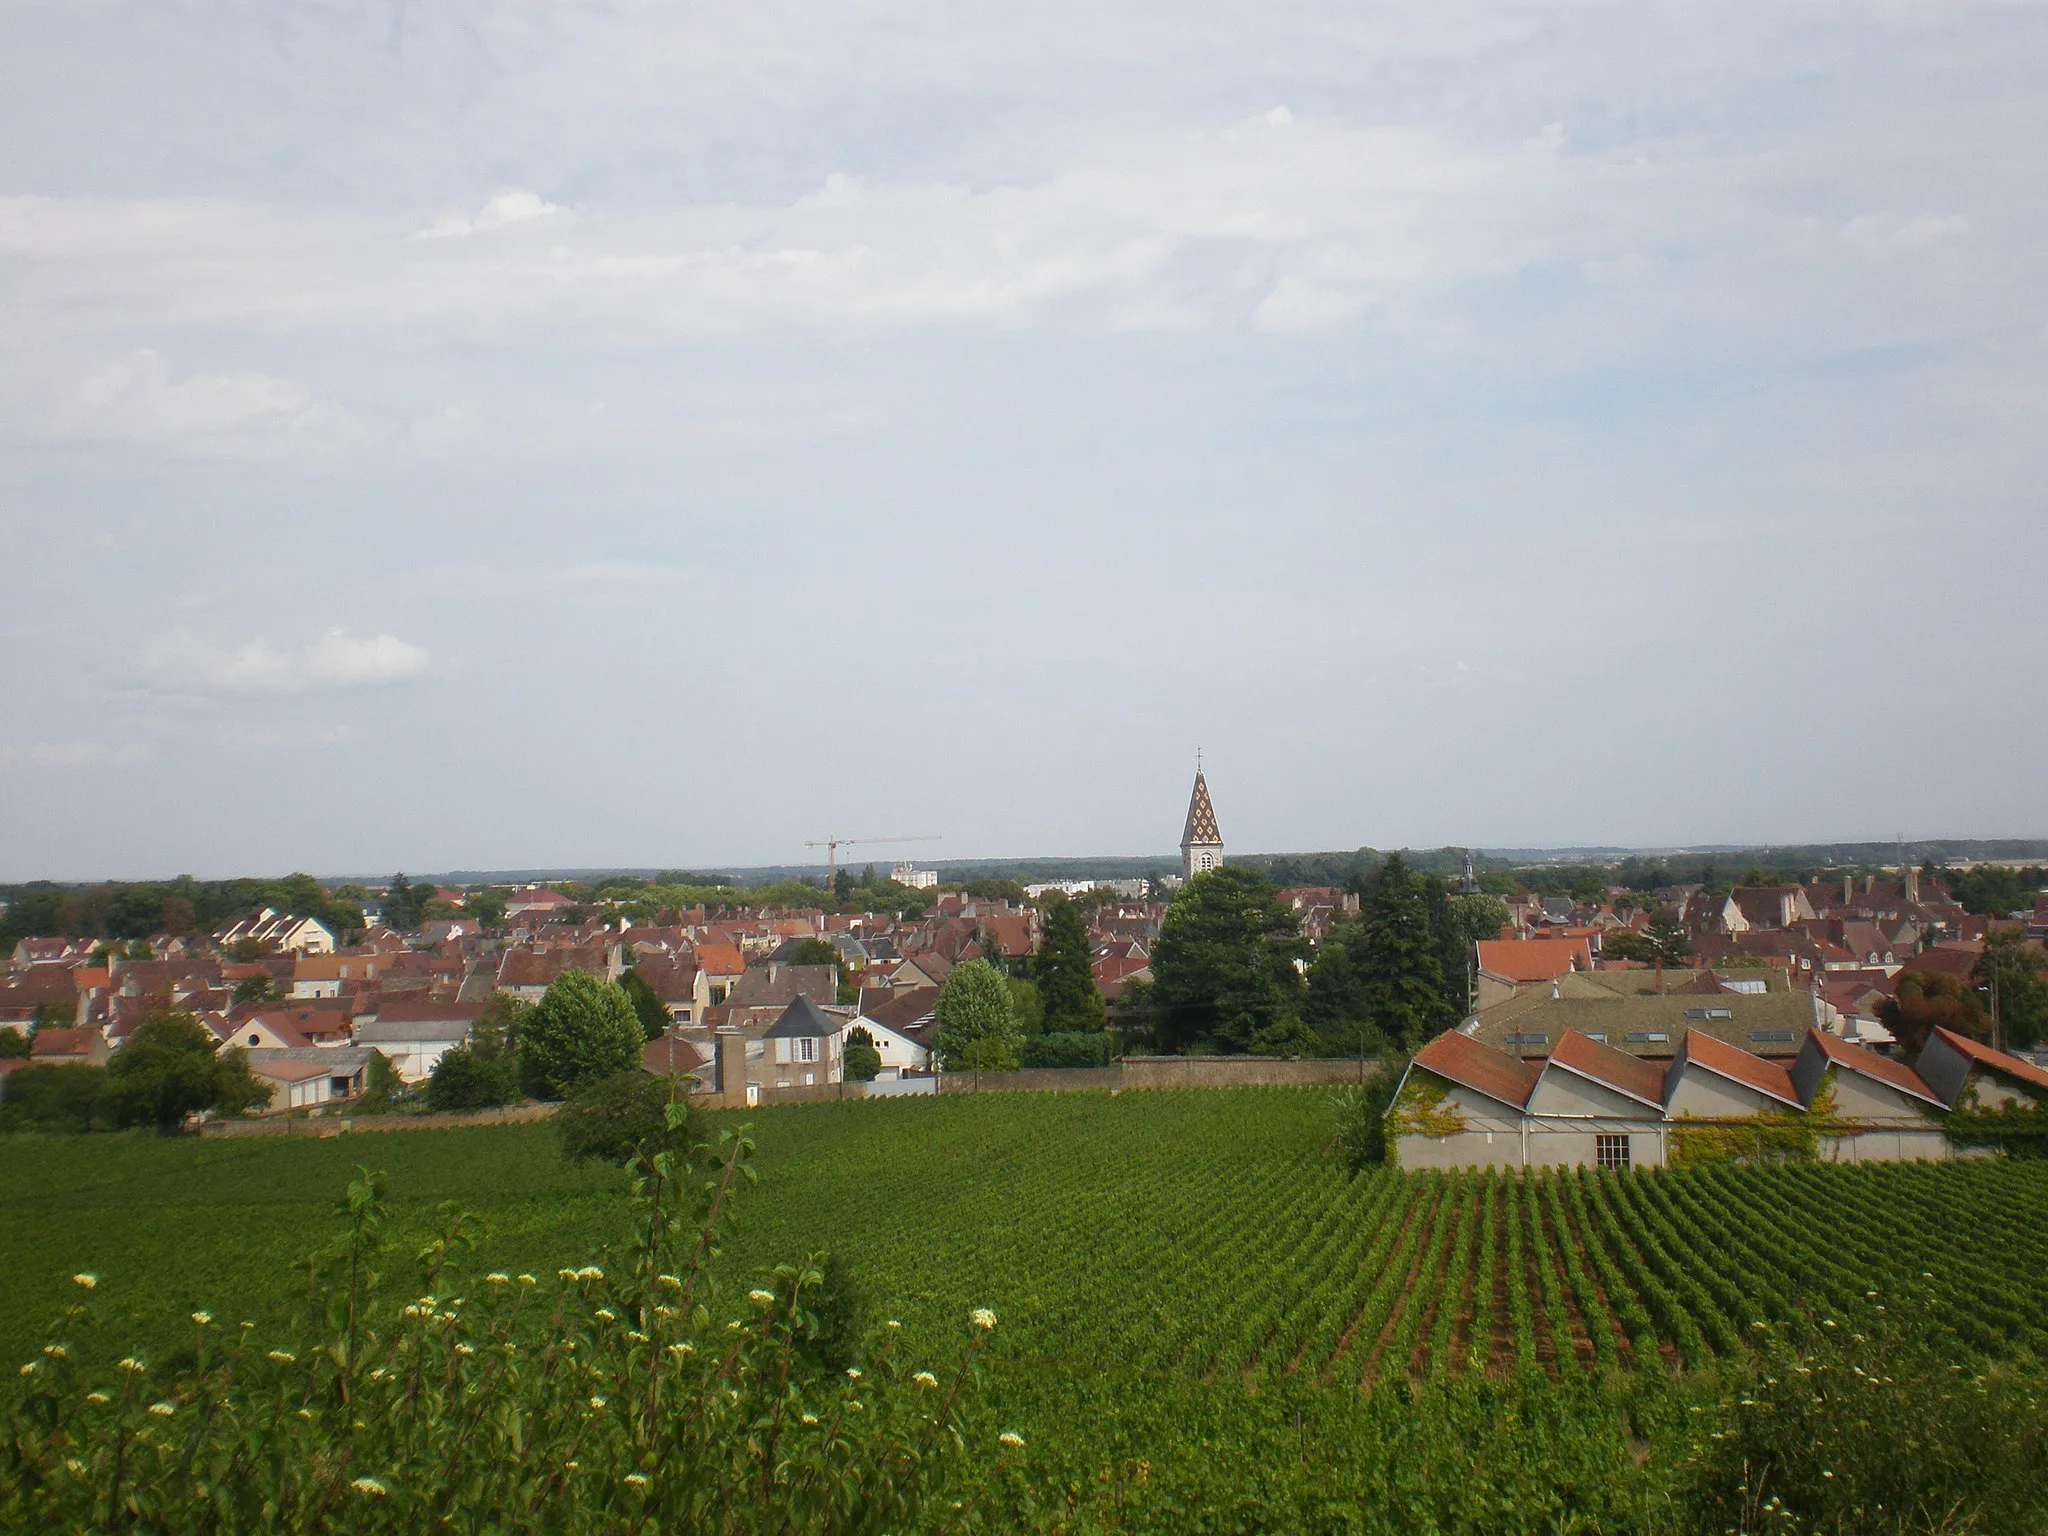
(1362, 1116)
(976, 1028)
(1027, 1006)
(1068, 1048)
(13, 1043)
(1992, 890)
(480, 1073)
(1477, 917)
(995, 890)
(1668, 940)
(623, 1115)
(62, 1100)
(1336, 1005)
(1223, 970)
(2017, 978)
(381, 1086)
(255, 989)
(487, 907)
(404, 903)
(838, 1315)
(812, 952)
(1401, 977)
(171, 1067)
(1064, 973)
(647, 1007)
(1927, 1000)
(860, 1062)
(580, 1029)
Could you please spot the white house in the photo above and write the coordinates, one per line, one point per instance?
(311, 1076)
(415, 1036)
(281, 931)
(802, 1048)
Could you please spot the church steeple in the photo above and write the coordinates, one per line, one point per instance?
(1201, 844)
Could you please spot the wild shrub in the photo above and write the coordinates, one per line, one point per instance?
(615, 1397)
(616, 1117)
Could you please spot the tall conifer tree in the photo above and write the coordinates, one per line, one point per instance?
(1064, 971)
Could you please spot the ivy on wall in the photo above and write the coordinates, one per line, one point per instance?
(1780, 1136)
(1423, 1109)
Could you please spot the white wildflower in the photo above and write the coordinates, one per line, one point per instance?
(671, 1281)
(982, 1317)
(853, 1373)
(55, 1351)
(97, 1397)
(590, 1272)
(1012, 1439)
(759, 1295)
(130, 1363)
(202, 1317)
(636, 1480)
(368, 1485)
(810, 1418)
(85, 1282)
(925, 1379)
(162, 1410)
(597, 1402)
(283, 1356)
(605, 1315)
(528, 1280)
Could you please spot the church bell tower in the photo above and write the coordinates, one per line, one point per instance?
(1201, 844)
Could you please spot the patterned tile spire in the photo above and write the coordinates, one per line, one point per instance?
(1201, 843)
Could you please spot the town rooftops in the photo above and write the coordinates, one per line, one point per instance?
(1533, 959)
(1701, 1049)
(389, 1031)
(1464, 1061)
(1649, 1024)
(1603, 1064)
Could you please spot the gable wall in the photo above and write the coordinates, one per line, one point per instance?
(1714, 1097)
(1559, 1092)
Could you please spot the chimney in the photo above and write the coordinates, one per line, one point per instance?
(1912, 884)
(730, 1064)
(1848, 890)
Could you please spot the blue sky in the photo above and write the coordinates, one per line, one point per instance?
(509, 435)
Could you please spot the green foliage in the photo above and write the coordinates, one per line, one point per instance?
(62, 1100)
(1068, 1048)
(812, 952)
(1992, 890)
(405, 904)
(581, 1029)
(609, 1399)
(382, 1087)
(859, 1061)
(1063, 970)
(139, 910)
(1851, 1423)
(13, 1043)
(1027, 1007)
(480, 1073)
(1927, 1000)
(976, 1029)
(648, 1008)
(254, 989)
(170, 1068)
(1422, 1107)
(1399, 963)
(487, 907)
(1361, 1111)
(1223, 969)
(611, 1118)
(837, 1326)
(2016, 978)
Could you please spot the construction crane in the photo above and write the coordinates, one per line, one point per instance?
(832, 845)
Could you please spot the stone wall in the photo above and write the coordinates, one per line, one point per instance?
(345, 1124)
(1161, 1072)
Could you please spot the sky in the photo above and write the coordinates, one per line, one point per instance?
(496, 435)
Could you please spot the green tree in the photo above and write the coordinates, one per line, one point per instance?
(254, 989)
(1401, 976)
(2015, 979)
(647, 1007)
(487, 907)
(976, 1028)
(614, 1118)
(1064, 971)
(480, 1073)
(860, 1061)
(1223, 970)
(579, 1030)
(13, 1043)
(1336, 1005)
(812, 952)
(1926, 1001)
(63, 1100)
(171, 1067)
(1027, 1006)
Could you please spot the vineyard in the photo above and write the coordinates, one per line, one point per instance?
(1175, 1272)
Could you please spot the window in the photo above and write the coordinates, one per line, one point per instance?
(1597, 1034)
(337, 1087)
(1527, 1037)
(1611, 1151)
(1772, 1036)
(807, 1049)
(1647, 1037)
(1710, 1013)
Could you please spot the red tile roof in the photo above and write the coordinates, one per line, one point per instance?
(1481, 1068)
(1884, 1069)
(670, 1053)
(1730, 1061)
(1632, 1075)
(1533, 959)
(1983, 1055)
(720, 960)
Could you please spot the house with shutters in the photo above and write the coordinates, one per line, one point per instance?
(803, 1046)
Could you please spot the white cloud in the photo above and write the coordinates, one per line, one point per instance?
(183, 663)
(247, 417)
(514, 207)
(73, 754)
